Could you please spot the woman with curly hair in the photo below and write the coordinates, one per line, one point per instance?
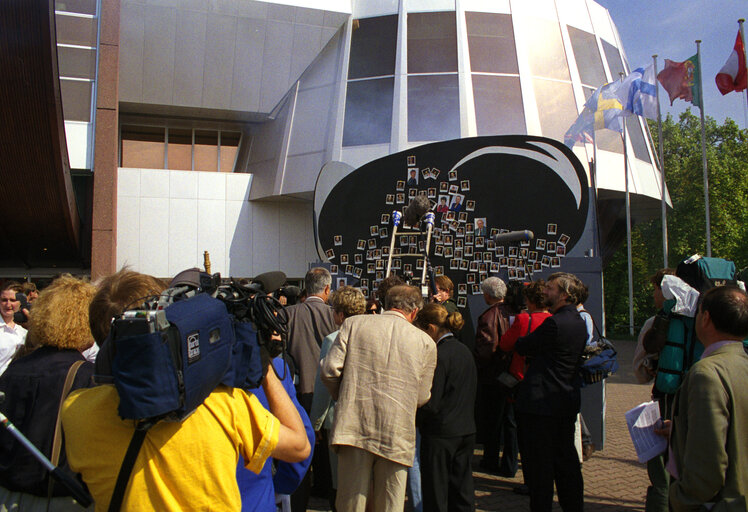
(447, 421)
(35, 385)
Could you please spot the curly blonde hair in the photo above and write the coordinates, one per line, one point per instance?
(348, 300)
(60, 315)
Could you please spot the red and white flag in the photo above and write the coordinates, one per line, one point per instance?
(733, 76)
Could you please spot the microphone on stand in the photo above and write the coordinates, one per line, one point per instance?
(514, 236)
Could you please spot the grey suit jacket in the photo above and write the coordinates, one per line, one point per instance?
(308, 324)
(710, 431)
(379, 369)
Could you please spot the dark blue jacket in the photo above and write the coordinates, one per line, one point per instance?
(554, 354)
(258, 491)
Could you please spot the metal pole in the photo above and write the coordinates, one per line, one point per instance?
(742, 39)
(661, 150)
(703, 155)
(628, 236)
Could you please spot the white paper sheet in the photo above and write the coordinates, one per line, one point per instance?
(641, 421)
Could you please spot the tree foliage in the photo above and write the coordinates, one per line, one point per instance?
(727, 165)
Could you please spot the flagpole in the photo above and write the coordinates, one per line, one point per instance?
(628, 229)
(703, 155)
(742, 40)
(663, 202)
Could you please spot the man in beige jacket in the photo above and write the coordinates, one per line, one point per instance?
(379, 370)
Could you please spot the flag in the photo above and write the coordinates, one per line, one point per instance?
(638, 92)
(733, 76)
(682, 80)
(601, 110)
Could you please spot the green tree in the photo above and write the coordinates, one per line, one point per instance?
(727, 164)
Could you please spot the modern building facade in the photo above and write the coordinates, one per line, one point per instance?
(195, 125)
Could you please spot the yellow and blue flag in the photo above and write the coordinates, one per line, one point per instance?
(602, 110)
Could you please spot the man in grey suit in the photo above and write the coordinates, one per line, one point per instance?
(308, 324)
(380, 370)
(709, 438)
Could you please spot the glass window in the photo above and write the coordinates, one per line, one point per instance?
(76, 100)
(206, 150)
(432, 42)
(637, 138)
(545, 49)
(229, 149)
(77, 30)
(556, 107)
(587, 55)
(179, 150)
(368, 112)
(491, 43)
(613, 57)
(373, 45)
(498, 105)
(142, 147)
(77, 6)
(433, 108)
(76, 62)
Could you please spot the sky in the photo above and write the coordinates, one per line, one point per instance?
(669, 28)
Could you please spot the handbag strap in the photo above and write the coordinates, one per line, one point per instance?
(123, 478)
(57, 439)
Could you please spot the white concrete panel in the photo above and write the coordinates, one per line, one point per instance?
(253, 9)
(309, 16)
(128, 231)
(324, 71)
(211, 232)
(367, 9)
(311, 120)
(128, 182)
(338, 19)
(497, 6)
(219, 61)
(154, 242)
(189, 58)
(301, 173)
(360, 155)
(296, 219)
(77, 135)
(306, 46)
(574, 13)
(131, 41)
(537, 8)
(265, 237)
(162, 3)
(277, 53)
(429, 5)
(158, 54)
(239, 238)
(279, 12)
(601, 22)
(154, 183)
(183, 184)
(247, 76)
(237, 186)
(183, 235)
(211, 185)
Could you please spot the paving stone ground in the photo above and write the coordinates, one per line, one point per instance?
(613, 479)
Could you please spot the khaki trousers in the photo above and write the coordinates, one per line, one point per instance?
(361, 474)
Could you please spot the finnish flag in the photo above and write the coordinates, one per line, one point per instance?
(638, 92)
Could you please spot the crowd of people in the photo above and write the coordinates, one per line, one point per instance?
(377, 403)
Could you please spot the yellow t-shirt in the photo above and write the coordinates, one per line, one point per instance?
(190, 465)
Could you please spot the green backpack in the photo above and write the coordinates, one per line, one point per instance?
(682, 349)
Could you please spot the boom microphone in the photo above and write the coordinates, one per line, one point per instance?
(514, 236)
(414, 211)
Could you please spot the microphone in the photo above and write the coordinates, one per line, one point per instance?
(414, 211)
(514, 236)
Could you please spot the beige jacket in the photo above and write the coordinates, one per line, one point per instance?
(379, 370)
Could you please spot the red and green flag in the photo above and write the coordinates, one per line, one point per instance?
(682, 80)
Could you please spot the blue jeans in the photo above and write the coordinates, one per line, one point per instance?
(414, 478)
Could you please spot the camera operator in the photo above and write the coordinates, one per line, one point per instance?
(187, 465)
(12, 335)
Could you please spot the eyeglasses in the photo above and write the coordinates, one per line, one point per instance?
(7, 300)
(374, 311)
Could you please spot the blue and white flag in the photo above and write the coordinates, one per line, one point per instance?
(638, 92)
